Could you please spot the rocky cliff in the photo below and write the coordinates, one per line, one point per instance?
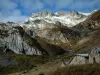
(47, 33)
(14, 38)
(11, 38)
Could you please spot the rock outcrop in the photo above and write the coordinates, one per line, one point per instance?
(11, 38)
(15, 38)
(48, 33)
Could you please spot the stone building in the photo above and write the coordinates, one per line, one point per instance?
(90, 58)
(80, 59)
(94, 56)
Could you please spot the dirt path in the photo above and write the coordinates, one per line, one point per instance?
(41, 69)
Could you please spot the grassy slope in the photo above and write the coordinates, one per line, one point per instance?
(32, 64)
(94, 41)
(25, 62)
(77, 70)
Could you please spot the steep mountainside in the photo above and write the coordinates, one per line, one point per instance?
(63, 33)
(14, 38)
(47, 33)
(95, 16)
(54, 27)
(91, 28)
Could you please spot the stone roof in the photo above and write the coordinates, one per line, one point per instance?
(83, 55)
(98, 49)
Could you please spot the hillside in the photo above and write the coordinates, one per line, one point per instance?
(48, 39)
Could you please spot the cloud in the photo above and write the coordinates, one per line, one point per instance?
(10, 12)
(7, 5)
(14, 16)
(63, 4)
(85, 5)
(33, 5)
(80, 5)
(18, 10)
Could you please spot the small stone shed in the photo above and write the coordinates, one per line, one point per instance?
(80, 59)
(90, 58)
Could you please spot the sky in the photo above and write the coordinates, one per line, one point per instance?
(19, 10)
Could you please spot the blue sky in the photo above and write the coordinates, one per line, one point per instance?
(19, 10)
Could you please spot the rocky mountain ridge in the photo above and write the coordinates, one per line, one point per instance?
(47, 33)
(67, 19)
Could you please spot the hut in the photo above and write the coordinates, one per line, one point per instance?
(80, 59)
(90, 58)
(94, 56)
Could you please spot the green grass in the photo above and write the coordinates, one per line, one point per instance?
(25, 62)
(28, 62)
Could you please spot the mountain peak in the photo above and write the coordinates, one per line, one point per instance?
(74, 13)
(61, 13)
(95, 16)
(43, 14)
(66, 18)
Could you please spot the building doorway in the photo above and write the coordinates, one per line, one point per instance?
(94, 60)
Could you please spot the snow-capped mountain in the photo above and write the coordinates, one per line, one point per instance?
(60, 27)
(68, 19)
(49, 25)
(50, 33)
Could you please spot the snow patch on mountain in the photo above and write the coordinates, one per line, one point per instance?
(69, 19)
(87, 14)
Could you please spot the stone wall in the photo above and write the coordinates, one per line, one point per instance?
(79, 60)
(94, 57)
